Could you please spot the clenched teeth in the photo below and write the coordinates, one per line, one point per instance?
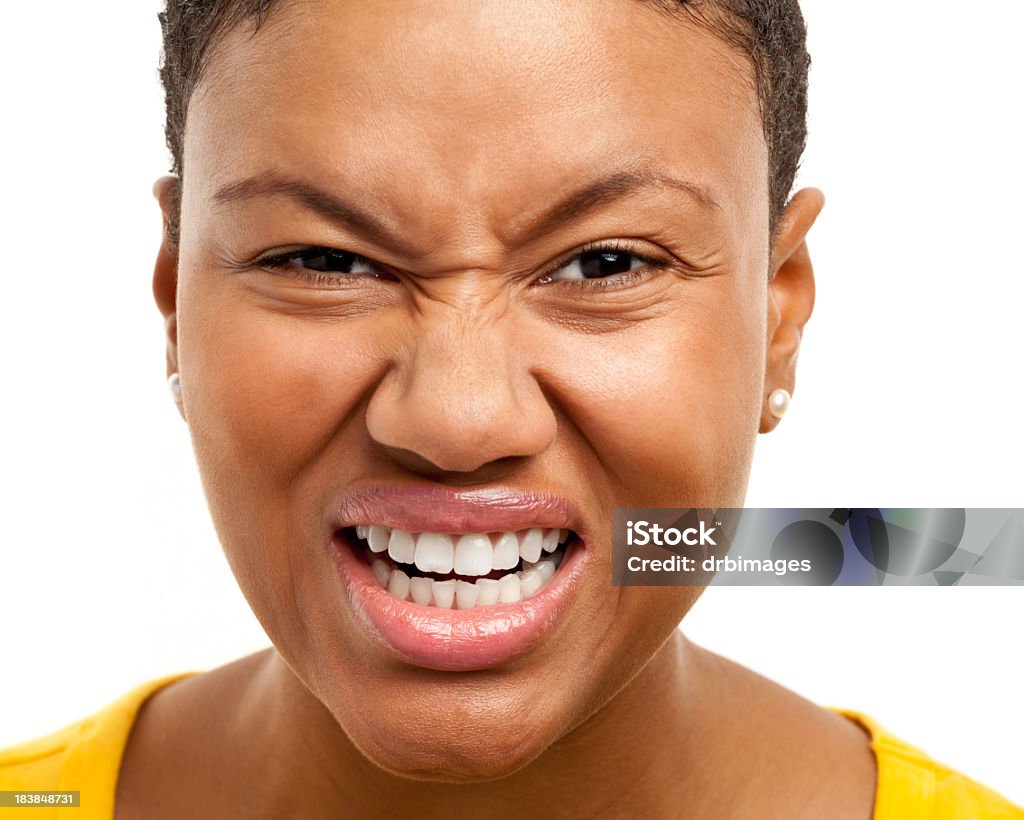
(472, 554)
(459, 594)
(520, 564)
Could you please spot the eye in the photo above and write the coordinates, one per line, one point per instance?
(600, 263)
(322, 260)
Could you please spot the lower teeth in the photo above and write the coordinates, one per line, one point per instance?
(455, 593)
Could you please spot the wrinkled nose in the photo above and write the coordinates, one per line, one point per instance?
(461, 402)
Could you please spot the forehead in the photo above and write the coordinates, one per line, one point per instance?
(477, 106)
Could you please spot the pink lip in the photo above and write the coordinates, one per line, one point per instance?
(446, 639)
(439, 509)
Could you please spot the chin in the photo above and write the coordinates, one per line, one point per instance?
(468, 745)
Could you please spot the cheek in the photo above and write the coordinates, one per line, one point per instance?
(268, 391)
(266, 397)
(671, 406)
(273, 391)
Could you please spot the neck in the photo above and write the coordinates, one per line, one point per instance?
(638, 755)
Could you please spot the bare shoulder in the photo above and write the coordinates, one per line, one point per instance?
(809, 760)
(181, 740)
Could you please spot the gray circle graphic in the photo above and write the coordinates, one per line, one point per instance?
(907, 541)
(815, 542)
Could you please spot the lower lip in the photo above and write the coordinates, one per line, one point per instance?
(457, 640)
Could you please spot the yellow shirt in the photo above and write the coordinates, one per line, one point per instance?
(86, 756)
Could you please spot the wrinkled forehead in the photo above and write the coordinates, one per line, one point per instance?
(479, 108)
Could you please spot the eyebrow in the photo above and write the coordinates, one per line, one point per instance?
(573, 206)
(327, 205)
(619, 185)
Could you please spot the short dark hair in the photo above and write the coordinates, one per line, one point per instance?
(771, 33)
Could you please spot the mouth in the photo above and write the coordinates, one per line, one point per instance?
(458, 581)
(461, 571)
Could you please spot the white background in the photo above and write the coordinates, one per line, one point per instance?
(910, 385)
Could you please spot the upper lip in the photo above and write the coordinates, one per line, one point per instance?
(446, 510)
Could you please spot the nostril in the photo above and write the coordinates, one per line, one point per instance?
(472, 473)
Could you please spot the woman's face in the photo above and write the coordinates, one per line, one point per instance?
(455, 362)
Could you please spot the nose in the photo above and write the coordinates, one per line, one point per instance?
(461, 402)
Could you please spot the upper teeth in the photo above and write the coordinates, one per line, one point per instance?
(468, 554)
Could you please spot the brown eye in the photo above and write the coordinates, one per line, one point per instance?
(597, 264)
(324, 260)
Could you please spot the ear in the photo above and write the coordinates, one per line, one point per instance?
(790, 296)
(165, 272)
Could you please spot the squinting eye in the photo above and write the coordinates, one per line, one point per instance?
(322, 260)
(597, 264)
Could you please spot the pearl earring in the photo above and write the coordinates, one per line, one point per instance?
(778, 402)
(174, 385)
